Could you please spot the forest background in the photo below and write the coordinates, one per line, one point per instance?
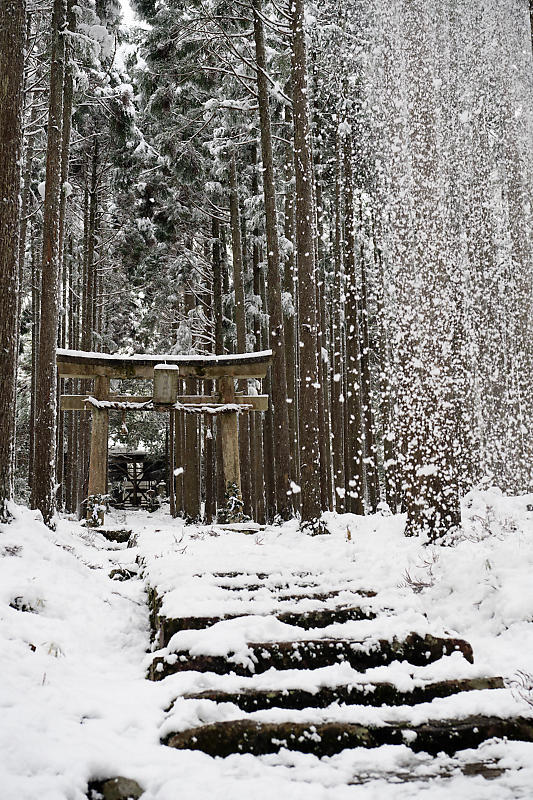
(348, 183)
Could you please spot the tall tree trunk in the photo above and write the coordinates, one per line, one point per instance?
(390, 461)
(337, 407)
(12, 43)
(26, 196)
(277, 337)
(259, 480)
(35, 316)
(372, 483)
(68, 97)
(92, 200)
(90, 217)
(321, 343)
(289, 308)
(27, 157)
(430, 374)
(240, 319)
(268, 432)
(208, 427)
(309, 375)
(43, 488)
(353, 444)
(219, 344)
(71, 416)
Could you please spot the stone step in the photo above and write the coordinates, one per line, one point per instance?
(280, 587)
(321, 618)
(122, 574)
(429, 770)
(370, 694)
(255, 581)
(120, 536)
(119, 788)
(260, 576)
(329, 738)
(313, 654)
(290, 595)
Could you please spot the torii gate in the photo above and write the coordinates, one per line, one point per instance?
(165, 371)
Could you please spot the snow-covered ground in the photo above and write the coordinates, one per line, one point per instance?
(74, 649)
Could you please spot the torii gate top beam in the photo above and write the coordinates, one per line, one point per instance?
(80, 364)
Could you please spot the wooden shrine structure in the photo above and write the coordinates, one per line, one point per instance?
(136, 477)
(165, 371)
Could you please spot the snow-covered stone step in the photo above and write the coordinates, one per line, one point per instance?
(321, 618)
(365, 694)
(276, 583)
(294, 590)
(118, 535)
(118, 788)
(329, 738)
(313, 654)
(321, 596)
(296, 582)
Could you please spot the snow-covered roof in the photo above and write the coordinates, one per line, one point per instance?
(79, 363)
(165, 358)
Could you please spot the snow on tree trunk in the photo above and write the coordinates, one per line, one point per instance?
(45, 444)
(450, 130)
(277, 338)
(309, 375)
(12, 42)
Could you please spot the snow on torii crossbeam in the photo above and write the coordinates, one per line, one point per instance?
(165, 371)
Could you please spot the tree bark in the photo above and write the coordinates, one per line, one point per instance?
(43, 488)
(337, 407)
(90, 217)
(323, 396)
(219, 344)
(12, 43)
(309, 374)
(277, 336)
(268, 430)
(240, 319)
(290, 308)
(353, 444)
(430, 366)
(35, 316)
(367, 415)
(259, 480)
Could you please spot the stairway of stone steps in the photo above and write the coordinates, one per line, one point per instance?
(328, 717)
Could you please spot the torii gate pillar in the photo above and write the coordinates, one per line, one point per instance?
(98, 456)
(230, 440)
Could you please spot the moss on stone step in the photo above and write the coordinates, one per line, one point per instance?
(118, 788)
(370, 694)
(327, 739)
(119, 536)
(168, 626)
(325, 616)
(313, 654)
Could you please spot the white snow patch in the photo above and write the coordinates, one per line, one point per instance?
(75, 703)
